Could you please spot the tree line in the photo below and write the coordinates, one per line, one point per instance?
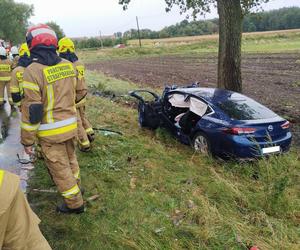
(14, 20)
(281, 19)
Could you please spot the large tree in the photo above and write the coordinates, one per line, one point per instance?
(231, 13)
(14, 20)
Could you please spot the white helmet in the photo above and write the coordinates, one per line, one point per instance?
(14, 50)
(3, 51)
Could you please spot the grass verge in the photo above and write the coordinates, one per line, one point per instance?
(260, 42)
(156, 193)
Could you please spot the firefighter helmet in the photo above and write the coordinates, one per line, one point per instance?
(66, 44)
(41, 34)
(24, 50)
(3, 51)
(14, 50)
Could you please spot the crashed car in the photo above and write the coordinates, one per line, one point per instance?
(215, 121)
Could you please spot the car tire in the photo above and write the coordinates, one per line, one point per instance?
(201, 144)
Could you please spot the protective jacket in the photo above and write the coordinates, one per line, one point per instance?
(16, 88)
(15, 61)
(5, 76)
(48, 111)
(81, 89)
(5, 70)
(18, 223)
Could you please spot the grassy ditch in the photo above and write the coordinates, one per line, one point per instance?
(156, 193)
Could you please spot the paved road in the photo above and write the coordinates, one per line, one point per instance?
(10, 144)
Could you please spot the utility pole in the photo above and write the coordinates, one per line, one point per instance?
(138, 27)
(101, 39)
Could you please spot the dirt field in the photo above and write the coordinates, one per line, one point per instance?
(272, 79)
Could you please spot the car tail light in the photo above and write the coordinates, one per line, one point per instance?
(239, 131)
(286, 125)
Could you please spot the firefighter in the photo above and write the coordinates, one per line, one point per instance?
(5, 75)
(86, 135)
(15, 56)
(17, 74)
(49, 114)
(19, 225)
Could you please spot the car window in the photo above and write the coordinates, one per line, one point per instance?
(245, 109)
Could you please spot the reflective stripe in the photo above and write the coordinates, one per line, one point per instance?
(89, 130)
(81, 102)
(14, 90)
(58, 131)
(1, 177)
(50, 96)
(71, 192)
(5, 68)
(77, 175)
(29, 127)
(5, 78)
(19, 76)
(58, 124)
(40, 31)
(59, 72)
(81, 71)
(84, 143)
(31, 86)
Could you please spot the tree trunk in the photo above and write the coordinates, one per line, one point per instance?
(230, 41)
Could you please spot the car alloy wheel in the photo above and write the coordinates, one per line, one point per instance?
(201, 144)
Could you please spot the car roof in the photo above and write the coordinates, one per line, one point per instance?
(211, 95)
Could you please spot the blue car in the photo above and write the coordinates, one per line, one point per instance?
(215, 121)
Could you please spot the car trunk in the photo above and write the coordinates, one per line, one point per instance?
(269, 130)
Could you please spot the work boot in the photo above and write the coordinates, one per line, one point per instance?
(91, 137)
(84, 149)
(63, 208)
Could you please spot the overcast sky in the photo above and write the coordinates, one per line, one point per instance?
(88, 17)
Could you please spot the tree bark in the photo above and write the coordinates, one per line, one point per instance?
(230, 41)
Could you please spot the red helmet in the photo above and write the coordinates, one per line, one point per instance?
(41, 34)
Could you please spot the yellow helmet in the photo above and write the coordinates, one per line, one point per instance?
(24, 50)
(66, 44)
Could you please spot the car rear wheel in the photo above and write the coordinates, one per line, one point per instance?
(201, 144)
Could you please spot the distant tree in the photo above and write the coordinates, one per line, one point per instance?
(14, 20)
(58, 30)
(284, 18)
(118, 34)
(231, 13)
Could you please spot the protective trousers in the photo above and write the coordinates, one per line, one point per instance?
(85, 122)
(2, 91)
(83, 139)
(64, 169)
(18, 223)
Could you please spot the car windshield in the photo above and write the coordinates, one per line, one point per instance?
(242, 108)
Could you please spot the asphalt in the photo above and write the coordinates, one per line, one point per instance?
(10, 145)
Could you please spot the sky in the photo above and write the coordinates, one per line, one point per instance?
(89, 17)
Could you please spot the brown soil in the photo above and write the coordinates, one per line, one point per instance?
(272, 79)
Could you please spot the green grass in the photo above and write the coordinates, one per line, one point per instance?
(285, 41)
(156, 193)
(108, 85)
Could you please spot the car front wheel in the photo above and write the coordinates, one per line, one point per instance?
(201, 144)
